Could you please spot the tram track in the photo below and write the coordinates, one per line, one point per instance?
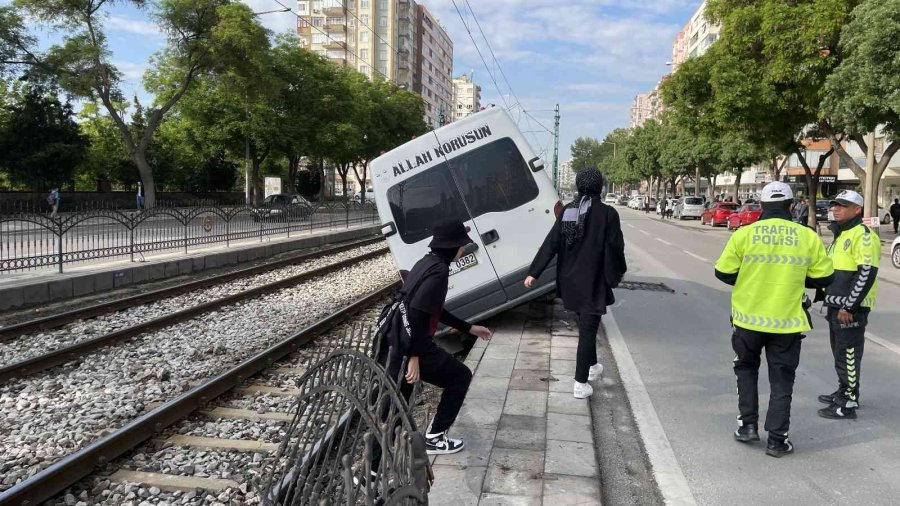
(48, 416)
(55, 479)
(66, 353)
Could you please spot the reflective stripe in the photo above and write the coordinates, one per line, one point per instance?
(778, 260)
(766, 322)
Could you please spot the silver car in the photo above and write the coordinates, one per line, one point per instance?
(688, 207)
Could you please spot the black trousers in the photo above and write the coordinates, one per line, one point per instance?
(895, 220)
(443, 371)
(782, 357)
(847, 343)
(588, 324)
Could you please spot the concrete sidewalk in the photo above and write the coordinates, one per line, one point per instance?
(528, 440)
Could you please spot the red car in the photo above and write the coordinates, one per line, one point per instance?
(747, 214)
(718, 213)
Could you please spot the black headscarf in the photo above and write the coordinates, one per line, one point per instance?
(589, 182)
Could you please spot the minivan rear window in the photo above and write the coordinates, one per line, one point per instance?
(693, 201)
(492, 178)
(423, 199)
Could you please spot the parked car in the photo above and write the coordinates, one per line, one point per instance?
(717, 213)
(745, 215)
(610, 199)
(895, 252)
(688, 207)
(284, 206)
(635, 202)
(622, 200)
(822, 212)
(370, 196)
(670, 205)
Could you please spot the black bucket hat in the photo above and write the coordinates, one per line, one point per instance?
(450, 234)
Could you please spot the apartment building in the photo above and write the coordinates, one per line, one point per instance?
(640, 109)
(466, 97)
(681, 47)
(374, 37)
(703, 33)
(433, 75)
(566, 177)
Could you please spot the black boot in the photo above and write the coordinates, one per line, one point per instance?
(836, 412)
(778, 447)
(828, 398)
(747, 433)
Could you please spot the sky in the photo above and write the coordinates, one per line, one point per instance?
(589, 56)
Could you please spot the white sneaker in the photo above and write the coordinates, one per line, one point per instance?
(583, 390)
(440, 444)
(595, 371)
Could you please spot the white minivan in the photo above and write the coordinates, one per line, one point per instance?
(481, 171)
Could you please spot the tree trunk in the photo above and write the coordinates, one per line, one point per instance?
(293, 169)
(712, 187)
(320, 166)
(146, 175)
(697, 181)
(889, 151)
(361, 180)
(737, 184)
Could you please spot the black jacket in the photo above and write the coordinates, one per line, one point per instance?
(587, 271)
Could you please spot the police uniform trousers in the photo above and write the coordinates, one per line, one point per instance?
(847, 343)
(782, 357)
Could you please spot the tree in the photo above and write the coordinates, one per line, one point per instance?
(197, 34)
(40, 143)
(861, 94)
(586, 152)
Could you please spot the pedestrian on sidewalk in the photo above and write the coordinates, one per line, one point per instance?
(895, 214)
(769, 263)
(425, 290)
(139, 197)
(53, 199)
(855, 253)
(662, 207)
(590, 250)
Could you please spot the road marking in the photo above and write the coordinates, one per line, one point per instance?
(669, 476)
(644, 232)
(629, 225)
(882, 342)
(664, 241)
(698, 257)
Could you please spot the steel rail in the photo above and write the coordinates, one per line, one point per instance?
(56, 321)
(67, 471)
(72, 352)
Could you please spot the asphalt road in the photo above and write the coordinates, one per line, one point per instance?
(680, 344)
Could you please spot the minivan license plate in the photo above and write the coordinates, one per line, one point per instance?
(463, 263)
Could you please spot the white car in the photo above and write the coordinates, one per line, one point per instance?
(688, 207)
(611, 199)
(670, 206)
(895, 252)
(636, 202)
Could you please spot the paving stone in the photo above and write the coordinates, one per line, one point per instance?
(508, 500)
(562, 384)
(571, 490)
(480, 413)
(479, 443)
(569, 427)
(514, 472)
(563, 353)
(537, 361)
(521, 432)
(456, 485)
(529, 379)
(506, 339)
(562, 367)
(565, 402)
(486, 387)
(564, 342)
(536, 334)
(525, 402)
(568, 457)
(541, 345)
(497, 368)
(501, 351)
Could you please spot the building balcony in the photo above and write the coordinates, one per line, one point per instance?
(335, 27)
(336, 44)
(304, 30)
(333, 11)
(338, 60)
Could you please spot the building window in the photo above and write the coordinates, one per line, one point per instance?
(382, 70)
(318, 21)
(363, 4)
(382, 54)
(382, 21)
(364, 54)
(303, 7)
(364, 19)
(364, 36)
(364, 69)
(318, 38)
(317, 5)
(383, 4)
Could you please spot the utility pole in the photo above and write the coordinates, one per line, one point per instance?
(871, 204)
(556, 149)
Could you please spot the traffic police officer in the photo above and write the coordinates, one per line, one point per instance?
(855, 253)
(769, 263)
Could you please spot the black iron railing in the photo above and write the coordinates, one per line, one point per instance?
(30, 240)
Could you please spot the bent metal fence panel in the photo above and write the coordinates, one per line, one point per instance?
(32, 241)
(347, 411)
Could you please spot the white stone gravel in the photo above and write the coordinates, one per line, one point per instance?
(34, 344)
(47, 416)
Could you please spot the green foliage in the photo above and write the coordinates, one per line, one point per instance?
(586, 152)
(864, 91)
(40, 143)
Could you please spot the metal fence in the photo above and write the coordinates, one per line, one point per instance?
(30, 240)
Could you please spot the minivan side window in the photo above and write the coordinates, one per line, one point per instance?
(494, 178)
(423, 199)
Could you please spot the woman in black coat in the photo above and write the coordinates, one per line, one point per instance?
(587, 239)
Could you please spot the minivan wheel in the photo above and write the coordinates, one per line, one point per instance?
(895, 257)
